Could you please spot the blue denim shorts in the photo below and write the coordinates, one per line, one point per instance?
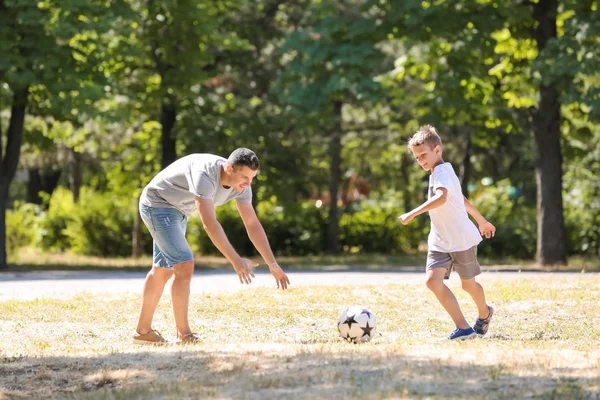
(167, 227)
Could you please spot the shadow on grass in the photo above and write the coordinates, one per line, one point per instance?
(315, 372)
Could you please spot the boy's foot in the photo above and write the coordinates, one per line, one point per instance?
(481, 325)
(462, 334)
(190, 338)
(152, 338)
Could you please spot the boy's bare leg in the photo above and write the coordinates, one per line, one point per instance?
(435, 283)
(153, 289)
(473, 287)
(180, 295)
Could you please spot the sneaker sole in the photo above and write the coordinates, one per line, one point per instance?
(466, 337)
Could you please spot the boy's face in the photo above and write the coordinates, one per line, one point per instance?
(427, 157)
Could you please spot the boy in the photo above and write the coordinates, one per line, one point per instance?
(453, 239)
(196, 182)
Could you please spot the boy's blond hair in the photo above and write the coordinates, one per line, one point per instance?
(425, 135)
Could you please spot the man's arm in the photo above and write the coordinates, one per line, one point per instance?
(438, 199)
(485, 227)
(257, 235)
(215, 231)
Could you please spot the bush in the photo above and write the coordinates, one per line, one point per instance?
(514, 219)
(296, 229)
(53, 222)
(291, 230)
(371, 227)
(233, 226)
(100, 224)
(21, 226)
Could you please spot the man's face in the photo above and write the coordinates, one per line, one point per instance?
(242, 176)
(427, 157)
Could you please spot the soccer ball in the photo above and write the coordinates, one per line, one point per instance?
(356, 324)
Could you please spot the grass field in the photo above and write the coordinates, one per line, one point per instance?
(262, 344)
(33, 260)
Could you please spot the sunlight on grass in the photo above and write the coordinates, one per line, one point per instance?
(263, 343)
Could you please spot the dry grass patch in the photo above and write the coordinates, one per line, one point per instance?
(262, 343)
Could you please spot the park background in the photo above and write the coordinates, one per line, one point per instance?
(97, 96)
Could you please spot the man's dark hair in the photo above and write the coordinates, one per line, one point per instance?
(244, 157)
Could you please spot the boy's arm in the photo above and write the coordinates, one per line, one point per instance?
(439, 198)
(215, 231)
(257, 235)
(486, 228)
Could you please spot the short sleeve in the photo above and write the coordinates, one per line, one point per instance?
(441, 180)
(245, 196)
(202, 185)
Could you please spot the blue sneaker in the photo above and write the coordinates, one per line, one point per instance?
(462, 334)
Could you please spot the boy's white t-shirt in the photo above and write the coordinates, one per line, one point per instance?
(451, 228)
(199, 175)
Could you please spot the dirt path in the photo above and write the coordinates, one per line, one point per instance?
(63, 284)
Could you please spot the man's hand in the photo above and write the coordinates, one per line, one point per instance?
(244, 270)
(280, 277)
(406, 218)
(487, 229)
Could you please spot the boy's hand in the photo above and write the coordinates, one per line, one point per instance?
(487, 229)
(406, 218)
(280, 277)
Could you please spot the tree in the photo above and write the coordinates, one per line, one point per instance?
(332, 60)
(40, 44)
(536, 68)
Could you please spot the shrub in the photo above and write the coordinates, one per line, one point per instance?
(514, 219)
(21, 226)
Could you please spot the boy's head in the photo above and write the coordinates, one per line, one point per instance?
(426, 146)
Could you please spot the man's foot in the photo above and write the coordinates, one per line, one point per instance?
(481, 325)
(190, 338)
(151, 338)
(462, 334)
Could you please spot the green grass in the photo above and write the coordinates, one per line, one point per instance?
(262, 343)
(31, 260)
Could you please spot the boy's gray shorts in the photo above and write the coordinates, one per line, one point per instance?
(464, 262)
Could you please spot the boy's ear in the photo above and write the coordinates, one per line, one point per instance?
(437, 149)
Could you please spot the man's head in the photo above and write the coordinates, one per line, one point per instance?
(241, 167)
(426, 146)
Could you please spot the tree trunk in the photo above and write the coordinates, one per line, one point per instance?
(465, 166)
(548, 158)
(136, 237)
(168, 114)
(34, 186)
(335, 153)
(41, 181)
(76, 174)
(9, 161)
(3, 201)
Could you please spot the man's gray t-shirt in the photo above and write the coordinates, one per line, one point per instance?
(195, 175)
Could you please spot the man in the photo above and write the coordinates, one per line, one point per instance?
(197, 181)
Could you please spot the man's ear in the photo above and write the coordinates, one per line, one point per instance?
(228, 168)
(437, 149)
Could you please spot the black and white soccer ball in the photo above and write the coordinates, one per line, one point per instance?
(357, 324)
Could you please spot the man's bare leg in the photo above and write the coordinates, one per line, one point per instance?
(153, 289)
(180, 295)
